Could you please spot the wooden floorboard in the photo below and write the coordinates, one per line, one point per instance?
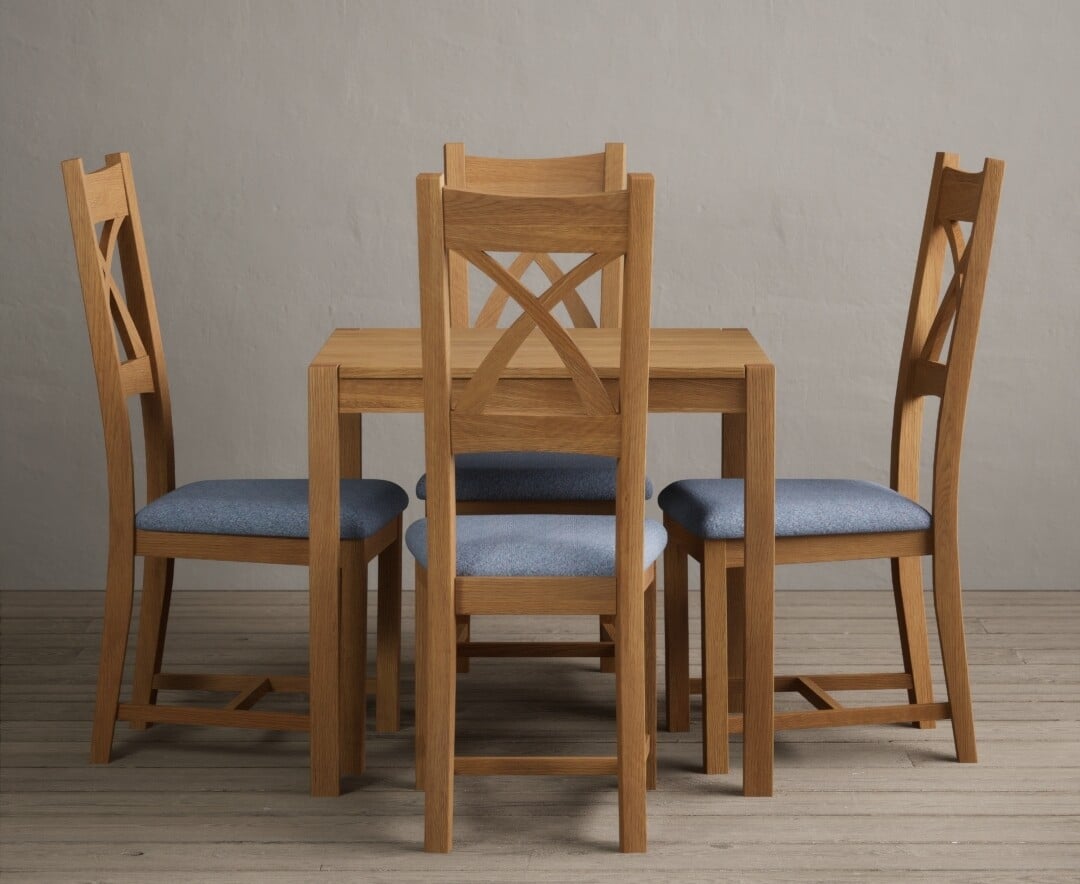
(858, 804)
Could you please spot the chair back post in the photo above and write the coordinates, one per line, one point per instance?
(435, 325)
(103, 348)
(953, 411)
(557, 176)
(632, 624)
(118, 319)
(611, 280)
(156, 405)
(955, 196)
(454, 176)
(634, 382)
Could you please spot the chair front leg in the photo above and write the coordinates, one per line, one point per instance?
(420, 678)
(153, 621)
(650, 679)
(714, 658)
(388, 646)
(606, 628)
(676, 637)
(353, 658)
(914, 642)
(736, 637)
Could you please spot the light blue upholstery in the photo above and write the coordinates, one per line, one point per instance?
(536, 545)
(713, 508)
(269, 508)
(533, 475)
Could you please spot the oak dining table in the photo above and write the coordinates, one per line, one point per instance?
(691, 370)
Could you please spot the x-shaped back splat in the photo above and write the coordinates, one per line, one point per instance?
(536, 313)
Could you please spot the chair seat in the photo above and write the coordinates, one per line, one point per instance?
(269, 508)
(536, 545)
(533, 475)
(713, 508)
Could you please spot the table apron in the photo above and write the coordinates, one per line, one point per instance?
(672, 395)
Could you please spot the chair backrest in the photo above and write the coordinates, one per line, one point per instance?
(942, 329)
(125, 339)
(469, 415)
(556, 176)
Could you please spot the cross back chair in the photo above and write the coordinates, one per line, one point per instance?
(520, 481)
(261, 520)
(535, 563)
(842, 520)
(553, 176)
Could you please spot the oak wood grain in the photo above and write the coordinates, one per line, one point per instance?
(128, 357)
(954, 196)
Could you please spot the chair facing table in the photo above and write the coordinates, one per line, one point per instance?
(503, 482)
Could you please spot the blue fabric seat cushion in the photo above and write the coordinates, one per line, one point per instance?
(713, 508)
(269, 508)
(533, 475)
(536, 545)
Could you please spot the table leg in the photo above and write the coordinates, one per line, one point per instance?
(760, 548)
(351, 445)
(324, 567)
(733, 466)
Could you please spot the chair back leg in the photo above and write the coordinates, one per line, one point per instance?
(714, 658)
(440, 702)
(119, 596)
(650, 680)
(630, 722)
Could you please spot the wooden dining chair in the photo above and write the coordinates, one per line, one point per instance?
(535, 481)
(831, 520)
(535, 563)
(242, 520)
